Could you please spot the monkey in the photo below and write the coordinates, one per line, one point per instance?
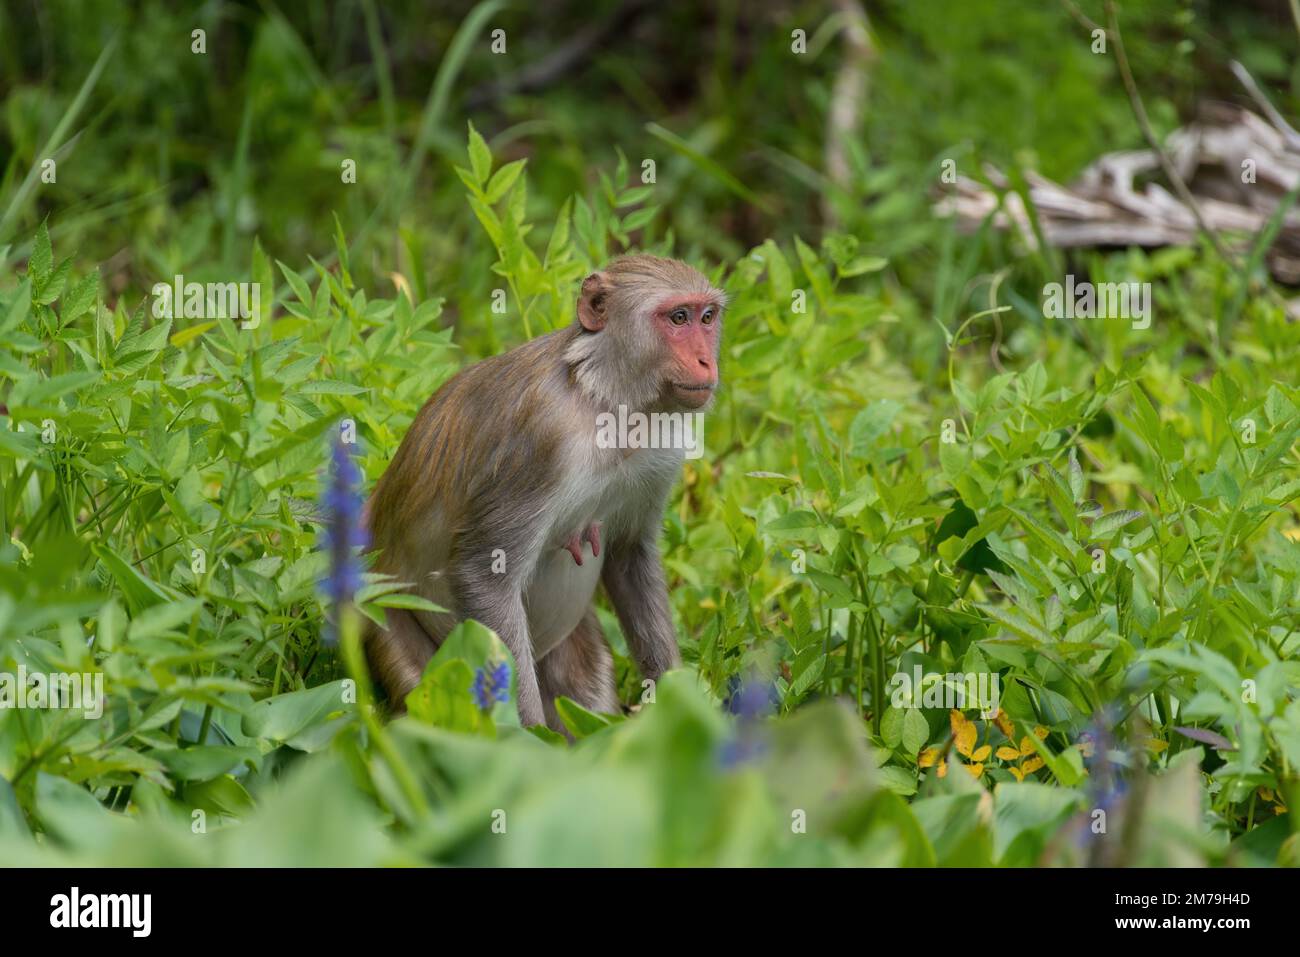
(501, 505)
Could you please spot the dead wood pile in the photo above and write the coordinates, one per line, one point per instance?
(1238, 166)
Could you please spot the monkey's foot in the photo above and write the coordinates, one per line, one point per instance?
(589, 535)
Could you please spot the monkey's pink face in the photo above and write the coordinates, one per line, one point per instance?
(689, 326)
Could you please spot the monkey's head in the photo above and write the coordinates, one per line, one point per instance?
(651, 332)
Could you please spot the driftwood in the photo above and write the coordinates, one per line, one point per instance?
(1238, 166)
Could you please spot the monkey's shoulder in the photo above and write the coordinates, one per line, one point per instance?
(520, 385)
(504, 426)
(513, 380)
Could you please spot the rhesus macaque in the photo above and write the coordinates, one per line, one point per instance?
(501, 505)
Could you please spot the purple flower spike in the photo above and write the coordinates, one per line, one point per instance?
(344, 533)
(491, 684)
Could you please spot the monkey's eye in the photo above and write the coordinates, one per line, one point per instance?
(678, 317)
(706, 317)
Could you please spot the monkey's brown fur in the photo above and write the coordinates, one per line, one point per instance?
(498, 496)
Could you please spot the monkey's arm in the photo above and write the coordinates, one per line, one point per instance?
(634, 580)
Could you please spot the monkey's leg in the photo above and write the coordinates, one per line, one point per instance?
(398, 655)
(580, 667)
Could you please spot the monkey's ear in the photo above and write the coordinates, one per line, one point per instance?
(591, 302)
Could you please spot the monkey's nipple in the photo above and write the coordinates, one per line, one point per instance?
(589, 535)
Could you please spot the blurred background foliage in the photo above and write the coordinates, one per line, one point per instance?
(225, 166)
(183, 158)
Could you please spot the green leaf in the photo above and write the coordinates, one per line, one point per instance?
(408, 601)
(891, 726)
(139, 591)
(202, 763)
(41, 261)
(480, 157)
(330, 387)
(790, 521)
(443, 692)
(13, 826)
(1026, 817)
(221, 795)
(299, 285)
(19, 306)
(80, 298)
(1078, 484)
(916, 730)
(841, 596)
(1108, 525)
(444, 698)
(142, 342)
(870, 424)
(162, 618)
(70, 814)
(862, 265)
(580, 722)
(44, 391)
(502, 180)
(283, 717)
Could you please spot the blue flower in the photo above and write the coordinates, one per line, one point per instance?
(747, 746)
(491, 684)
(750, 700)
(344, 533)
(1106, 787)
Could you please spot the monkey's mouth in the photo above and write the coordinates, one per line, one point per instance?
(693, 395)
